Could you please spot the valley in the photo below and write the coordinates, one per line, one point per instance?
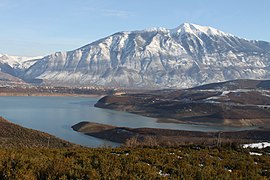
(134, 90)
(177, 116)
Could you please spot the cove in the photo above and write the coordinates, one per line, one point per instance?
(56, 115)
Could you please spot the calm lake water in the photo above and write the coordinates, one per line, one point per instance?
(56, 115)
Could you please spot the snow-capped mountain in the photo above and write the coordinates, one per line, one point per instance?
(18, 61)
(186, 56)
(16, 65)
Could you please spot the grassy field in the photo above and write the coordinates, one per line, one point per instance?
(134, 163)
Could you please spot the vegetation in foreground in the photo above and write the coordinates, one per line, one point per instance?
(188, 162)
(29, 154)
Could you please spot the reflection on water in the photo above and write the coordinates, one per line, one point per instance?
(56, 115)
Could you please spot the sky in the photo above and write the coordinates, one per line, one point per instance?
(42, 27)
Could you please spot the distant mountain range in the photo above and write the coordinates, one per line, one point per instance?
(186, 56)
(12, 68)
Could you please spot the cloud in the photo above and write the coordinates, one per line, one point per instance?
(107, 12)
(116, 13)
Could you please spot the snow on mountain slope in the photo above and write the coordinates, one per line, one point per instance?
(186, 56)
(196, 30)
(15, 66)
(18, 62)
(6, 79)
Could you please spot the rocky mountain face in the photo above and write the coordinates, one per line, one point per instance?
(16, 65)
(12, 68)
(186, 56)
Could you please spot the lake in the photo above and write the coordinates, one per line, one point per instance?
(56, 115)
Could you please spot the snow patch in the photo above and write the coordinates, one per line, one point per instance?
(163, 174)
(260, 145)
(224, 93)
(255, 154)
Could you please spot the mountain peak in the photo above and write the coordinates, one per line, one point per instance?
(18, 61)
(197, 29)
(2, 55)
(157, 57)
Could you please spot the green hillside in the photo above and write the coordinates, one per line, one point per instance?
(133, 163)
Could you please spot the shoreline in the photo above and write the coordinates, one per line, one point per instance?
(175, 121)
(169, 136)
(52, 95)
(99, 96)
(13, 135)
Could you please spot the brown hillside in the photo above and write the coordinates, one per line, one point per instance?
(15, 136)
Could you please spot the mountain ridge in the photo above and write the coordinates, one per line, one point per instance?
(186, 56)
